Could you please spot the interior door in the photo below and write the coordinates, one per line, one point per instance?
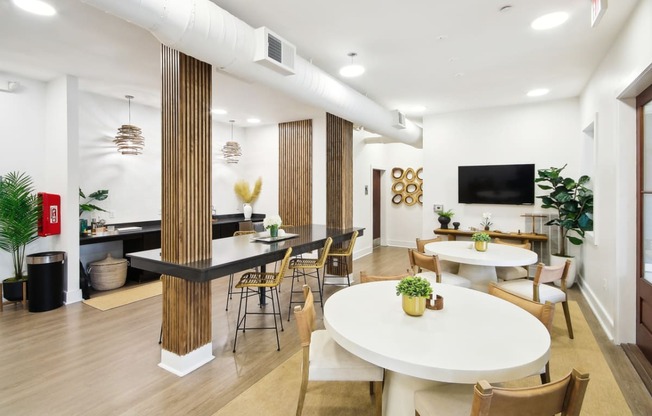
(644, 219)
(376, 210)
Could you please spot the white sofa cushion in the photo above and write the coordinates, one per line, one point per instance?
(330, 362)
(522, 287)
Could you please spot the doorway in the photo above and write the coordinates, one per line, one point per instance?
(377, 232)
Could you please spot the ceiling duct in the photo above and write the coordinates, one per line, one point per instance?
(201, 29)
(274, 52)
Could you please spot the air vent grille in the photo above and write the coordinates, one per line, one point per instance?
(274, 49)
(274, 52)
(398, 119)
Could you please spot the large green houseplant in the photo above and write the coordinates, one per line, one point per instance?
(19, 214)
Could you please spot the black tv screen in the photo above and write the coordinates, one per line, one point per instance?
(496, 184)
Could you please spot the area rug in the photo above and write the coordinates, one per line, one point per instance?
(276, 394)
(118, 298)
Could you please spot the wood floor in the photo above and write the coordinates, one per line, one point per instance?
(77, 360)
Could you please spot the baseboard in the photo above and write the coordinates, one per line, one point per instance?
(640, 363)
(606, 321)
(398, 243)
(73, 296)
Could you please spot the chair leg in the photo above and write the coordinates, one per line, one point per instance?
(271, 293)
(569, 325)
(278, 305)
(160, 337)
(545, 376)
(229, 293)
(237, 321)
(378, 399)
(321, 293)
(294, 277)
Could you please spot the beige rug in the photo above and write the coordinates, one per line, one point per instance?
(118, 298)
(276, 393)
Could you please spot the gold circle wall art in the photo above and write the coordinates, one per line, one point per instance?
(407, 186)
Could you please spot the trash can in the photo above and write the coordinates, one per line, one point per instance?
(45, 273)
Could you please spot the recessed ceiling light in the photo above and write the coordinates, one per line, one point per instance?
(253, 120)
(352, 70)
(538, 92)
(548, 21)
(219, 111)
(36, 7)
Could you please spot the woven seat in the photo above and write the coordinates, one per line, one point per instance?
(367, 278)
(263, 286)
(308, 267)
(341, 255)
(230, 291)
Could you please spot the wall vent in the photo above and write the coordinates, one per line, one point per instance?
(274, 52)
(398, 119)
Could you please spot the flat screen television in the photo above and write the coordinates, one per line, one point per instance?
(496, 184)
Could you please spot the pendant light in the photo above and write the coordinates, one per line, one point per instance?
(352, 70)
(129, 139)
(231, 149)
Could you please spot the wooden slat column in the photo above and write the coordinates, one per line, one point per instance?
(186, 205)
(339, 179)
(295, 172)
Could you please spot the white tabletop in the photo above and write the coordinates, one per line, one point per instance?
(476, 336)
(496, 254)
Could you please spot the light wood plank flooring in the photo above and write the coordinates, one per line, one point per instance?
(77, 360)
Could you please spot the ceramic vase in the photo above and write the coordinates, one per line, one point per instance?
(246, 208)
(480, 245)
(414, 306)
(444, 221)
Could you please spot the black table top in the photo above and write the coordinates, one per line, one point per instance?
(234, 254)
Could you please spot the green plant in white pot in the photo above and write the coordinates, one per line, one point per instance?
(19, 214)
(415, 291)
(573, 202)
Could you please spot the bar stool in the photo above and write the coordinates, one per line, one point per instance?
(308, 267)
(251, 284)
(339, 256)
(230, 291)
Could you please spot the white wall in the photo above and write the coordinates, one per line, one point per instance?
(610, 279)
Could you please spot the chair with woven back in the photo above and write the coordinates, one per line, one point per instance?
(325, 360)
(512, 272)
(251, 284)
(446, 266)
(340, 256)
(366, 278)
(538, 291)
(544, 312)
(308, 267)
(564, 396)
(229, 290)
(420, 262)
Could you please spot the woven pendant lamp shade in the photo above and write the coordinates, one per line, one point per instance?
(129, 138)
(232, 150)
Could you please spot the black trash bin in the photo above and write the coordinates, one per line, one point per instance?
(45, 272)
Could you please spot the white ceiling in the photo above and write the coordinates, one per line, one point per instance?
(444, 55)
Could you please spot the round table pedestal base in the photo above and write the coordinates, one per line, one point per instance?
(480, 276)
(398, 393)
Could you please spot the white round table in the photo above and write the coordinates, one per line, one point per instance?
(480, 266)
(476, 336)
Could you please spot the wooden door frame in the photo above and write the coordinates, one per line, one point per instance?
(383, 211)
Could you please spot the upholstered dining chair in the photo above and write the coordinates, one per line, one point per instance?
(544, 312)
(512, 272)
(446, 266)
(308, 267)
(419, 262)
(366, 278)
(229, 290)
(564, 396)
(340, 256)
(325, 360)
(250, 284)
(538, 291)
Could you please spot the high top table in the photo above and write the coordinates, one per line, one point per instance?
(475, 336)
(480, 266)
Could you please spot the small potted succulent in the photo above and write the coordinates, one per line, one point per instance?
(445, 217)
(415, 291)
(481, 241)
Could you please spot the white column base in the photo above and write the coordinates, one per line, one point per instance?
(480, 276)
(181, 365)
(398, 393)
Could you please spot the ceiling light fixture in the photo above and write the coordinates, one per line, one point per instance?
(38, 7)
(549, 21)
(129, 139)
(253, 120)
(538, 92)
(352, 70)
(232, 150)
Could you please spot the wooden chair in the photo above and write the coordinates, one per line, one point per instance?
(308, 267)
(251, 284)
(325, 360)
(365, 278)
(512, 272)
(540, 292)
(338, 256)
(230, 291)
(245, 226)
(419, 262)
(446, 266)
(563, 396)
(543, 312)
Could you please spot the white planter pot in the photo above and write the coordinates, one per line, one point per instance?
(246, 208)
(558, 260)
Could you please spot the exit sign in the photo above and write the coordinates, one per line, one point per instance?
(598, 8)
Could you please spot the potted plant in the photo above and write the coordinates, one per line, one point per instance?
(85, 205)
(244, 192)
(573, 202)
(19, 214)
(415, 290)
(486, 221)
(480, 241)
(444, 217)
(271, 223)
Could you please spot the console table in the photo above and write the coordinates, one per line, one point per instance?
(525, 237)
